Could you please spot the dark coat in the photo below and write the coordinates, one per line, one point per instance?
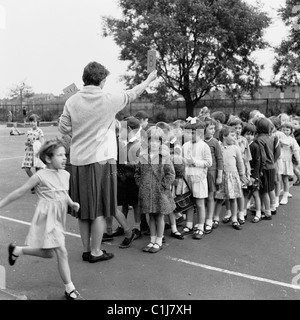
(154, 182)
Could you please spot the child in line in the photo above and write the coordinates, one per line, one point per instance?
(197, 158)
(269, 152)
(280, 136)
(34, 134)
(154, 176)
(233, 176)
(289, 148)
(249, 131)
(175, 150)
(243, 144)
(46, 234)
(214, 173)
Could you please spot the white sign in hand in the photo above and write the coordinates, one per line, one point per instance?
(151, 61)
(70, 90)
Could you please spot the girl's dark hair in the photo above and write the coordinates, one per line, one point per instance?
(263, 125)
(224, 132)
(48, 147)
(210, 122)
(34, 117)
(219, 116)
(248, 127)
(94, 73)
(276, 122)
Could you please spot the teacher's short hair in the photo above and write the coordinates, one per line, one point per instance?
(94, 73)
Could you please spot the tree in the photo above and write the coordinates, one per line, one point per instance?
(200, 44)
(287, 58)
(22, 90)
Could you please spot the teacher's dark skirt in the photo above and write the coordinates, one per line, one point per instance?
(94, 187)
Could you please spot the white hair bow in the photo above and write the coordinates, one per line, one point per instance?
(192, 120)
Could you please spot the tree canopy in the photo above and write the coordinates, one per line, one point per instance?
(287, 58)
(201, 44)
(21, 90)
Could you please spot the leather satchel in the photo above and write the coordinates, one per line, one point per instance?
(184, 201)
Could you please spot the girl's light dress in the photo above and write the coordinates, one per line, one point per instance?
(32, 136)
(197, 176)
(231, 187)
(289, 147)
(48, 224)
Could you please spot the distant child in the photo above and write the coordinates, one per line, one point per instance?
(278, 179)
(154, 176)
(220, 118)
(47, 231)
(34, 134)
(289, 148)
(197, 158)
(296, 123)
(15, 131)
(233, 176)
(175, 150)
(249, 131)
(214, 173)
(243, 144)
(269, 152)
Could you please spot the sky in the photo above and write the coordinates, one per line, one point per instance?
(47, 43)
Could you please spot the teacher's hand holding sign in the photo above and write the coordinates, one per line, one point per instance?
(151, 61)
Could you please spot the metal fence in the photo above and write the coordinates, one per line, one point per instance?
(177, 110)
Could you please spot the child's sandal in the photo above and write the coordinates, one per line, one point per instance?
(215, 224)
(148, 247)
(73, 295)
(187, 230)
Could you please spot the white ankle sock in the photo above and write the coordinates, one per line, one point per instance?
(159, 240)
(69, 287)
(18, 251)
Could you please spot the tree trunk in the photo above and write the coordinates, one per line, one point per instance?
(189, 105)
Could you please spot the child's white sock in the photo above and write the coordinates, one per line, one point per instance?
(189, 225)
(159, 240)
(258, 213)
(228, 213)
(69, 287)
(153, 239)
(18, 251)
(201, 226)
(173, 228)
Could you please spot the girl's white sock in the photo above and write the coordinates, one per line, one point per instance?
(69, 287)
(153, 239)
(189, 225)
(18, 251)
(159, 240)
(173, 228)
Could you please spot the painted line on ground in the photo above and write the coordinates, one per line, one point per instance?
(195, 264)
(4, 159)
(28, 224)
(238, 274)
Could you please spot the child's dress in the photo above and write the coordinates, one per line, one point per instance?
(32, 136)
(48, 224)
(196, 176)
(231, 187)
(289, 147)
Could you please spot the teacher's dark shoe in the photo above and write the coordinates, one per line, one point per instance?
(105, 256)
(86, 256)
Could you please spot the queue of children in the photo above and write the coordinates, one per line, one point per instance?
(225, 162)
